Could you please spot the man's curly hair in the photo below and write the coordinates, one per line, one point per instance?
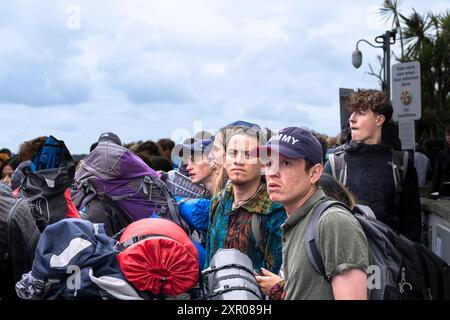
(375, 100)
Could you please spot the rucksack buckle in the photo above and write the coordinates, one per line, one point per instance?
(147, 179)
(401, 286)
(403, 283)
(39, 285)
(85, 186)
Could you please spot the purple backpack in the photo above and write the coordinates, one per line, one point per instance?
(113, 175)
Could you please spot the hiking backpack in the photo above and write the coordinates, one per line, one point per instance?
(46, 183)
(403, 269)
(399, 168)
(114, 176)
(75, 259)
(19, 236)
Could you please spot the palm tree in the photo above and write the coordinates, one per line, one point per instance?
(391, 10)
(426, 38)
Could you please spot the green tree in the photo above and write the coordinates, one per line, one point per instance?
(426, 38)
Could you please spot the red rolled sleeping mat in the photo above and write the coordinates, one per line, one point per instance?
(157, 256)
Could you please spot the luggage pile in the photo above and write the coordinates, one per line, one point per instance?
(75, 259)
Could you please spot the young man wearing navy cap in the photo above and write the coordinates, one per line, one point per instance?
(292, 173)
(199, 167)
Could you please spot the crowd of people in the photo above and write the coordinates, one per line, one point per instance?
(261, 187)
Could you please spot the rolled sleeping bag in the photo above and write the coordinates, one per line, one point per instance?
(200, 249)
(230, 277)
(157, 256)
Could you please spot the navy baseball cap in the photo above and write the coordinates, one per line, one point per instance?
(295, 143)
(199, 146)
(240, 123)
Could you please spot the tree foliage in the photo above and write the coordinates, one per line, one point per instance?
(426, 38)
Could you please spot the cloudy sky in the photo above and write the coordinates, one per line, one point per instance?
(148, 69)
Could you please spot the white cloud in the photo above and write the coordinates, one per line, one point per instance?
(146, 68)
(211, 69)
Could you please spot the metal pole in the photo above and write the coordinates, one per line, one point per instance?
(387, 63)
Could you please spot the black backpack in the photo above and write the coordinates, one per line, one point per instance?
(46, 187)
(19, 236)
(44, 190)
(402, 269)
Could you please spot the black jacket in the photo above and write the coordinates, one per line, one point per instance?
(370, 179)
(441, 169)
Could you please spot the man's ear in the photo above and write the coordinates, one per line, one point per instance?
(315, 172)
(380, 120)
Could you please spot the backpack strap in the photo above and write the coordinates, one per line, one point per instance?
(9, 231)
(312, 240)
(122, 246)
(227, 266)
(174, 211)
(228, 289)
(338, 166)
(215, 204)
(234, 276)
(258, 230)
(364, 211)
(399, 168)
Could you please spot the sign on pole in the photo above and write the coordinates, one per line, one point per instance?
(406, 91)
(407, 134)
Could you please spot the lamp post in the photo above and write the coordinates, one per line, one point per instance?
(385, 41)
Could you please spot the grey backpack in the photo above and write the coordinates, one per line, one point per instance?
(230, 277)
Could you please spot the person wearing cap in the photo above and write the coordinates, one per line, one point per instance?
(198, 166)
(107, 136)
(177, 152)
(195, 211)
(293, 170)
(242, 215)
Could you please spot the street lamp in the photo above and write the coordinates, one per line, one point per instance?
(385, 40)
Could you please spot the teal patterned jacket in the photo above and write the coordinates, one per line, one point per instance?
(231, 228)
